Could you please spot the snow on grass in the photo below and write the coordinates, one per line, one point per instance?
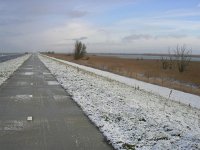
(186, 98)
(8, 67)
(129, 118)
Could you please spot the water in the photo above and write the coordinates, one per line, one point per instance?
(8, 56)
(143, 56)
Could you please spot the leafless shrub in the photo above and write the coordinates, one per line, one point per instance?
(182, 57)
(80, 50)
(164, 62)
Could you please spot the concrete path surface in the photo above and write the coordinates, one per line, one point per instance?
(57, 122)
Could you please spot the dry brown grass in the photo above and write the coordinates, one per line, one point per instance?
(145, 70)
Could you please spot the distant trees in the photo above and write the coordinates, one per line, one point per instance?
(79, 50)
(50, 52)
(180, 58)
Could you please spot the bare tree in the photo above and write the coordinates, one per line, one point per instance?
(79, 50)
(164, 62)
(171, 60)
(182, 57)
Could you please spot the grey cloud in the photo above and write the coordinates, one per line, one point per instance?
(179, 36)
(60, 44)
(22, 11)
(176, 36)
(48, 7)
(80, 38)
(12, 21)
(4, 34)
(137, 37)
(77, 13)
(148, 37)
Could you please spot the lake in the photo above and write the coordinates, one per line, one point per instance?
(8, 56)
(142, 56)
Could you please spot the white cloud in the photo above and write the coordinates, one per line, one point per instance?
(49, 25)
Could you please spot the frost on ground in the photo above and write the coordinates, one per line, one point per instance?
(130, 118)
(8, 67)
(186, 98)
(22, 98)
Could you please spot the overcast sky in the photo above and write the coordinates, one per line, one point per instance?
(124, 26)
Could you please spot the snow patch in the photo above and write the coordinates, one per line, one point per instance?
(28, 73)
(52, 83)
(12, 125)
(61, 98)
(22, 98)
(46, 73)
(7, 68)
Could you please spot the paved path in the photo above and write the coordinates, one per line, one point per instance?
(58, 123)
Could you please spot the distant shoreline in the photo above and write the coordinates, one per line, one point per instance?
(141, 56)
(145, 54)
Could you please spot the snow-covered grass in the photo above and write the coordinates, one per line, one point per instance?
(129, 118)
(8, 67)
(179, 96)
